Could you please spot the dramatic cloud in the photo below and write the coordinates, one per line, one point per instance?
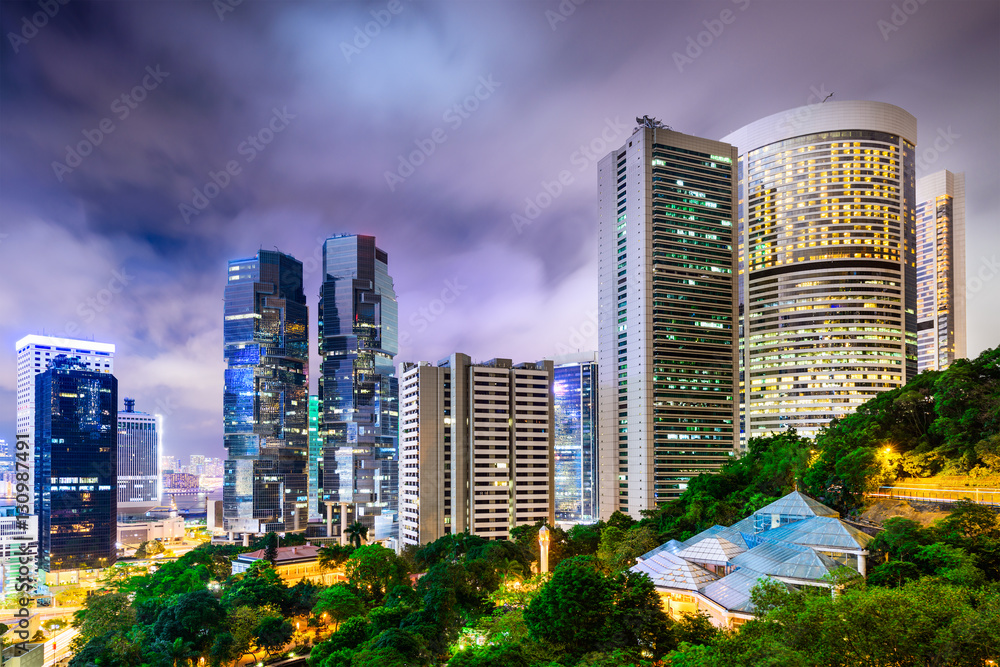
(463, 135)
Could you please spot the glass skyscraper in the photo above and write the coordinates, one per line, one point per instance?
(76, 447)
(315, 454)
(266, 399)
(358, 390)
(940, 270)
(666, 315)
(575, 395)
(827, 261)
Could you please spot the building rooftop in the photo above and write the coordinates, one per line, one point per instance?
(671, 571)
(284, 555)
(798, 504)
(821, 532)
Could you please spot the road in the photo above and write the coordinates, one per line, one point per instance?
(57, 648)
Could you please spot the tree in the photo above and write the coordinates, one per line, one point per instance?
(272, 633)
(339, 603)
(357, 533)
(176, 650)
(103, 614)
(638, 624)
(374, 570)
(333, 556)
(196, 617)
(260, 585)
(573, 607)
(271, 547)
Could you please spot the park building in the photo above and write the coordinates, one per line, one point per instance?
(293, 564)
(795, 540)
(827, 275)
(476, 447)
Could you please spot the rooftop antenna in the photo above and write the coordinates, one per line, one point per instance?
(827, 97)
(650, 122)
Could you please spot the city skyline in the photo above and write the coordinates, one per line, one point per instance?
(492, 265)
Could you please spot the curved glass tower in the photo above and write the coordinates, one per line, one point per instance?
(358, 390)
(266, 399)
(827, 264)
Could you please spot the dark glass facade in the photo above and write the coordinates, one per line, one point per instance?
(358, 390)
(266, 399)
(575, 391)
(76, 447)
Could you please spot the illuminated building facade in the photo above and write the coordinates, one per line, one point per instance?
(138, 459)
(940, 270)
(266, 395)
(315, 454)
(76, 447)
(666, 315)
(827, 261)
(358, 391)
(476, 448)
(574, 391)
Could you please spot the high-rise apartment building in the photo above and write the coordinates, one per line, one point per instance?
(138, 459)
(76, 447)
(358, 391)
(34, 352)
(315, 455)
(666, 315)
(476, 448)
(266, 399)
(827, 261)
(574, 391)
(940, 270)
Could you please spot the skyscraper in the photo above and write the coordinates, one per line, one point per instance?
(827, 261)
(940, 270)
(138, 459)
(358, 391)
(34, 352)
(266, 399)
(666, 315)
(476, 450)
(76, 446)
(574, 390)
(315, 454)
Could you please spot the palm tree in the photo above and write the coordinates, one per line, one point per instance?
(357, 533)
(510, 569)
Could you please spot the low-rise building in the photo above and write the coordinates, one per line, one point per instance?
(795, 540)
(293, 564)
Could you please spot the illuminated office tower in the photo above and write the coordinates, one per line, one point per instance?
(666, 315)
(574, 390)
(34, 352)
(476, 448)
(358, 391)
(315, 454)
(266, 395)
(827, 261)
(76, 447)
(940, 270)
(138, 459)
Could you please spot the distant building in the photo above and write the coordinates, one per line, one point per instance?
(358, 391)
(13, 546)
(133, 533)
(76, 446)
(315, 456)
(266, 395)
(293, 564)
(138, 459)
(476, 448)
(667, 315)
(574, 391)
(941, 316)
(827, 261)
(795, 540)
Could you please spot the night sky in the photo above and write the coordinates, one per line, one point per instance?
(430, 132)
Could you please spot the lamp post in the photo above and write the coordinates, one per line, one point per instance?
(543, 548)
